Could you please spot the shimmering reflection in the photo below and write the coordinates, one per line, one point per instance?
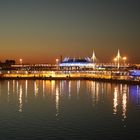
(43, 88)
(26, 90)
(138, 95)
(35, 88)
(13, 85)
(93, 88)
(120, 98)
(48, 86)
(61, 86)
(55, 91)
(124, 101)
(68, 107)
(8, 89)
(115, 100)
(0, 89)
(97, 92)
(17, 86)
(135, 96)
(69, 89)
(78, 86)
(20, 99)
(57, 100)
(52, 86)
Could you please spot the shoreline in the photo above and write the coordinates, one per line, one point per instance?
(133, 82)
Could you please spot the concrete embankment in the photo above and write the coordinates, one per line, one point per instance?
(103, 78)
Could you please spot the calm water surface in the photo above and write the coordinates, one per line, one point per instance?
(68, 110)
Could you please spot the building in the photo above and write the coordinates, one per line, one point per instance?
(78, 63)
(7, 64)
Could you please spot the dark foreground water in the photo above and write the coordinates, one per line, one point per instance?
(68, 110)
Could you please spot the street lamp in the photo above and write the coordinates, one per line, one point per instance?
(57, 60)
(124, 60)
(20, 60)
(115, 60)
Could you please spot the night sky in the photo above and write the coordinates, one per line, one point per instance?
(39, 31)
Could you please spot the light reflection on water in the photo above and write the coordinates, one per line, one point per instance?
(135, 94)
(120, 97)
(115, 103)
(93, 89)
(20, 99)
(35, 88)
(62, 98)
(26, 90)
(120, 100)
(57, 100)
(8, 88)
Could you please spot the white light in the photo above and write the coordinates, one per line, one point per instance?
(20, 61)
(76, 64)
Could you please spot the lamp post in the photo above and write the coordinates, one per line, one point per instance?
(20, 60)
(124, 60)
(115, 60)
(57, 61)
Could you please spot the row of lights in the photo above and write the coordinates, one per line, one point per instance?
(57, 60)
(124, 59)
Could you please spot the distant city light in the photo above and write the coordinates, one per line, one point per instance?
(57, 60)
(115, 59)
(20, 60)
(124, 58)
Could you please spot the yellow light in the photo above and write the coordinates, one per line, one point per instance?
(115, 59)
(57, 60)
(20, 61)
(124, 58)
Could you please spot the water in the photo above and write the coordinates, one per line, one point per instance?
(68, 110)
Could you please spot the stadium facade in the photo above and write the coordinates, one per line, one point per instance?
(78, 63)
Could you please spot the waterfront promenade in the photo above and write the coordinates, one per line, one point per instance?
(106, 76)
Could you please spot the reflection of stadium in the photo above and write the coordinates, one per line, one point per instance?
(78, 63)
(135, 94)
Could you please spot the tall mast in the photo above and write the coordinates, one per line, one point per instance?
(93, 58)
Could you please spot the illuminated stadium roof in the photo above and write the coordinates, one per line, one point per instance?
(76, 62)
